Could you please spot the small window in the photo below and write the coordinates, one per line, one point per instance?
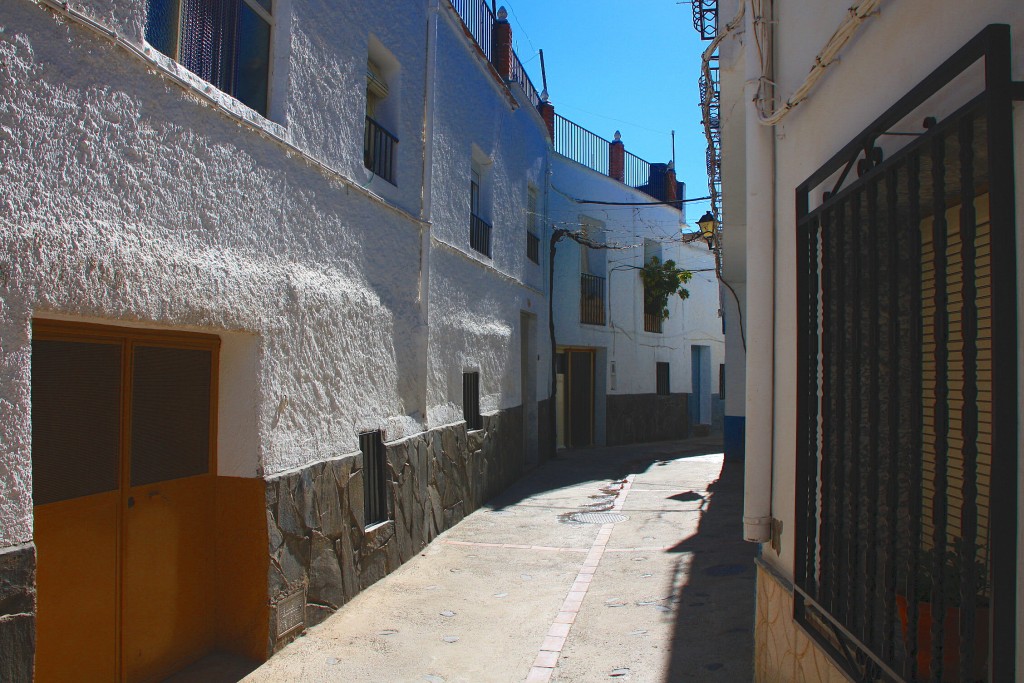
(471, 400)
(375, 483)
(721, 381)
(226, 42)
(661, 370)
(532, 238)
(479, 228)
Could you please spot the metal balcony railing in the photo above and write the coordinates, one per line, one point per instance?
(533, 247)
(480, 235)
(520, 76)
(379, 150)
(652, 322)
(591, 299)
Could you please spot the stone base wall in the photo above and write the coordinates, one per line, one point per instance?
(640, 418)
(317, 542)
(17, 612)
(782, 651)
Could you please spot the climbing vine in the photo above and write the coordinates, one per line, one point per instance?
(662, 280)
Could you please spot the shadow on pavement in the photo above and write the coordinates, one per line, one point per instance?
(714, 575)
(714, 630)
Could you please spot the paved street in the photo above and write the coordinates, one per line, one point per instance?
(618, 563)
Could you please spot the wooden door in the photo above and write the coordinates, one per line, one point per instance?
(125, 574)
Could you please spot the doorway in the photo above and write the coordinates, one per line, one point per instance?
(575, 397)
(123, 466)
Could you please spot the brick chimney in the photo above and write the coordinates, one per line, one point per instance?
(670, 183)
(547, 112)
(501, 45)
(617, 159)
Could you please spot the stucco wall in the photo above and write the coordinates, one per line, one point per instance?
(892, 53)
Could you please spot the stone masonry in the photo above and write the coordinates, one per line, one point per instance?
(17, 612)
(317, 541)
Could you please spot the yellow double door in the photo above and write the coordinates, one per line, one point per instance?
(123, 479)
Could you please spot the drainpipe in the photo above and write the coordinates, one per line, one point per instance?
(760, 191)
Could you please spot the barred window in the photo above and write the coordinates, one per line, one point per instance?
(226, 42)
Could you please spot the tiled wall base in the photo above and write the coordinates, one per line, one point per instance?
(17, 612)
(318, 545)
(641, 418)
(783, 653)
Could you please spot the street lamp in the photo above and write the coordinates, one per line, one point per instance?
(708, 226)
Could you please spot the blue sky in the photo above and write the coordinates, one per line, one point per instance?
(628, 65)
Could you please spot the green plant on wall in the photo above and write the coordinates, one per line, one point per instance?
(662, 280)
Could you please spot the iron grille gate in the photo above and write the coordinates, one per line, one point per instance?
(906, 467)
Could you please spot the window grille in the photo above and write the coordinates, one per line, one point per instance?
(471, 400)
(532, 238)
(225, 42)
(662, 379)
(375, 479)
(591, 299)
(905, 529)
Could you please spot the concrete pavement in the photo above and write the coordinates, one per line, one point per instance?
(619, 563)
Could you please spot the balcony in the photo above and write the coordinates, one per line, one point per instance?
(591, 299)
(379, 150)
(652, 322)
(480, 235)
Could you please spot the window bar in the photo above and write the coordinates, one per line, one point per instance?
(839, 389)
(857, 305)
(969, 416)
(829, 341)
(874, 353)
(811, 393)
(916, 416)
(893, 412)
(941, 413)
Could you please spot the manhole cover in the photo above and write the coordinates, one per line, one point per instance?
(598, 517)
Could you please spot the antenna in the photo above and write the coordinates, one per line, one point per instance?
(673, 149)
(543, 71)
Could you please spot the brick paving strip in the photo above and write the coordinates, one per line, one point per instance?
(547, 658)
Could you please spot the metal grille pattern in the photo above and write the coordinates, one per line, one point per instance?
(652, 322)
(471, 400)
(480, 235)
(705, 18)
(591, 299)
(906, 565)
(379, 150)
(375, 480)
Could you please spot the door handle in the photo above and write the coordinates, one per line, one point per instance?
(131, 501)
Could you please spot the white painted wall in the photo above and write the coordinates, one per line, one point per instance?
(891, 54)
(634, 351)
(476, 301)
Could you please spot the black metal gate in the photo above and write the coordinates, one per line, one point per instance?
(906, 503)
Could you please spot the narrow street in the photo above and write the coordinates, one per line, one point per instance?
(620, 563)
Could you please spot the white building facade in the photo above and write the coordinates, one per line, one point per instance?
(872, 184)
(273, 314)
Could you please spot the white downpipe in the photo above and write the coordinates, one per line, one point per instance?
(760, 191)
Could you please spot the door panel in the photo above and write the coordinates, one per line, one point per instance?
(125, 517)
(169, 616)
(76, 589)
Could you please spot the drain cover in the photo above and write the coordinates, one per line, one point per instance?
(598, 517)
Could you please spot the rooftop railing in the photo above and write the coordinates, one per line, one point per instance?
(579, 144)
(520, 76)
(478, 19)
